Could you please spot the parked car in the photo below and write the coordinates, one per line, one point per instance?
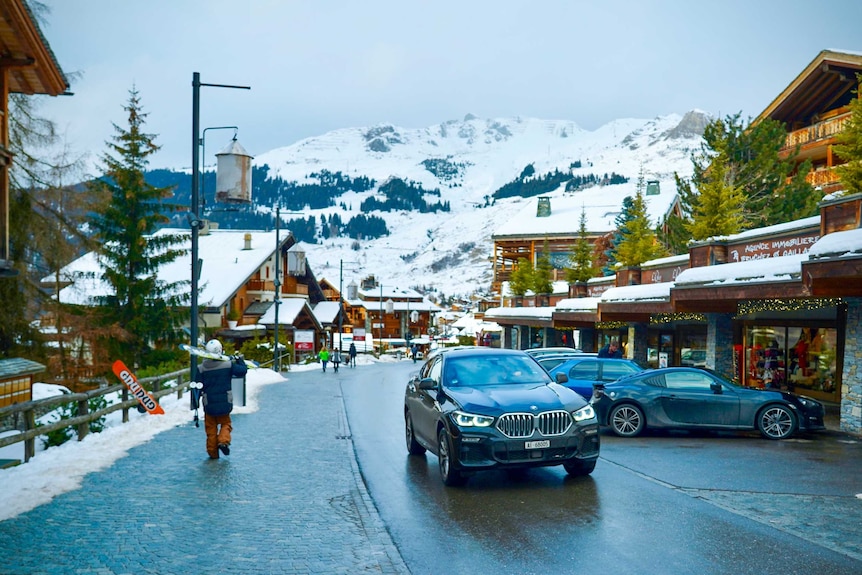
(693, 358)
(693, 398)
(540, 351)
(488, 408)
(583, 372)
(549, 361)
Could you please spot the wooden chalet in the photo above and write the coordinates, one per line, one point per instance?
(27, 66)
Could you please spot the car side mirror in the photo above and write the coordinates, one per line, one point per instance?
(427, 383)
(561, 377)
(716, 388)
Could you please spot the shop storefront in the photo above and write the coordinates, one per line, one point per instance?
(804, 357)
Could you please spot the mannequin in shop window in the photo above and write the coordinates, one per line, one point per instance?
(771, 374)
(801, 350)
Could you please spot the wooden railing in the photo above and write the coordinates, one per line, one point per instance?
(27, 410)
(817, 131)
(822, 177)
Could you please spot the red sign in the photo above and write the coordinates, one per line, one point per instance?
(359, 335)
(303, 340)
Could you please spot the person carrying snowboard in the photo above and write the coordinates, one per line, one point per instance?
(217, 397)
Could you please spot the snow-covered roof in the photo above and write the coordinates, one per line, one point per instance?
(288, 310)
(227, 265)
(782, 268)
(600, 204)
(588, 304)
(847, 243)
(326, 311)
(469, 325)
(543, 312)
(645, 292)
(775, 230)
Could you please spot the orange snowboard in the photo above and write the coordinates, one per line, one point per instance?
(127, 377)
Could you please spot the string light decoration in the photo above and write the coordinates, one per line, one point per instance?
(663, 318)
(746, 307)
(611, 324)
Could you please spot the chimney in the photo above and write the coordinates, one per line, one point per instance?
(247, 238)
(543, 207)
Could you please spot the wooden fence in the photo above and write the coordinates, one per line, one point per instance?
(27, 410)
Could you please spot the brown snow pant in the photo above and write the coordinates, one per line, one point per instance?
(216, 436)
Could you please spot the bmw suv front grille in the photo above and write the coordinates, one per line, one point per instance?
(549, 423)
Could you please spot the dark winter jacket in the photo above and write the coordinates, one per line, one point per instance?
(606, 352)
(215, 375)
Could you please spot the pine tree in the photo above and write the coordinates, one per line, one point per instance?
(622, 221)
(521, 280)
(543, 272)
(849, 147)
(145, 307)
(581, 259)
(719, 207)
(639, 242)
(774, 189)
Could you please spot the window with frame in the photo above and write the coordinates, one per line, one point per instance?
(688, 380)
(585, 370)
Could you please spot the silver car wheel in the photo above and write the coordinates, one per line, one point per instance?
(776, 422)
(627, 420)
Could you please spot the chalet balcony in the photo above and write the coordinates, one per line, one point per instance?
(822, 178)
(819, 131)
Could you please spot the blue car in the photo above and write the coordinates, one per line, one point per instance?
(583, 372)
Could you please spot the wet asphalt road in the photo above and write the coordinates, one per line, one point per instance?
(662, 503)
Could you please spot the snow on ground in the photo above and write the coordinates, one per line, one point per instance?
(60, 469)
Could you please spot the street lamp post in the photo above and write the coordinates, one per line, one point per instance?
(195, 219)
(276, 362)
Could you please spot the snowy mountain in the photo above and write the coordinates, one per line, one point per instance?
(467, 161)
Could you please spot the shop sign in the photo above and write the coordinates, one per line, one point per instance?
(772, 248)
(303, 340)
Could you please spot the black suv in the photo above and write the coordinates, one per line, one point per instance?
(484, 408)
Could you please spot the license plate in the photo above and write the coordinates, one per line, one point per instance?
(537, 444)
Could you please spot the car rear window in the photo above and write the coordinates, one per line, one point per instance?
(614, 371)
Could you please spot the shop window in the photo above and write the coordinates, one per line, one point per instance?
(800, 359)
(812, 359)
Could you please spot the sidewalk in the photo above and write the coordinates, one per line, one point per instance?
(289, 499)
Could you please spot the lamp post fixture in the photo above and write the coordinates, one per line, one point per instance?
(195, 219)
(204, 157)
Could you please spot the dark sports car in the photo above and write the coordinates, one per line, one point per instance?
(691, 398)
(485, 408)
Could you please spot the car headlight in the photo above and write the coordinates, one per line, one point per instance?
(584, 413)
(808, 403)
(464, 419)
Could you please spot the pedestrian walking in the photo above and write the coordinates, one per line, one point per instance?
(217, 397)
(414, 351)
(336, 359)
(351, 354)
(324, 357)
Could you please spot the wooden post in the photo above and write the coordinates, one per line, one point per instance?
(29, 444)
(83, 428)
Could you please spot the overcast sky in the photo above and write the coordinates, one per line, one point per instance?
(316, 66)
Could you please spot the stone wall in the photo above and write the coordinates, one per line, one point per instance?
(851, 375)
